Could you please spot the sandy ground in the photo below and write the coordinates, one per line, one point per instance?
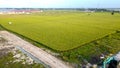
(45, 57)
(6, 47)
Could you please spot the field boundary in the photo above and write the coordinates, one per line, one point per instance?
(46, 47)
(28, 39)
(42, 55)
(92, 41)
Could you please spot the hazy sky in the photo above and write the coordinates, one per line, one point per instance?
(59, 3)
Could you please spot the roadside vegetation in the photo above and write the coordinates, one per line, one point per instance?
(92, 51)
(6, 61)
(1, 28)
(11, 57)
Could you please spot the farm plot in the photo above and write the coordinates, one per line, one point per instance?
(63, 31)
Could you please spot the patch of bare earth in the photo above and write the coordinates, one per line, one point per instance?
(42, 55)
(7, 47)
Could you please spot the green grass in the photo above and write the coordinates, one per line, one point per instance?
(63, 31)
(109, 44)
(5, 62)
(1, 28)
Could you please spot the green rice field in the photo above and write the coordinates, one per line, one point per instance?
(63, 30)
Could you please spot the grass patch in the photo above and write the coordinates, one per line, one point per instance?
(5, 62)
(1, 28)
(91, 51)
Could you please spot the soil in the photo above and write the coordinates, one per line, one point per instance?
(42, 55)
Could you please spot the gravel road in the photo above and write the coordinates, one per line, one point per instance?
(45, 57)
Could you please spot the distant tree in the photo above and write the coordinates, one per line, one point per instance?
(112, 13)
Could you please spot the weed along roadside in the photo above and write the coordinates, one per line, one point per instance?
(33, 57)
(45, 57)
(92, 52)
(13, 57)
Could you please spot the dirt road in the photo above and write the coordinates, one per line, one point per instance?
(45, 57)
